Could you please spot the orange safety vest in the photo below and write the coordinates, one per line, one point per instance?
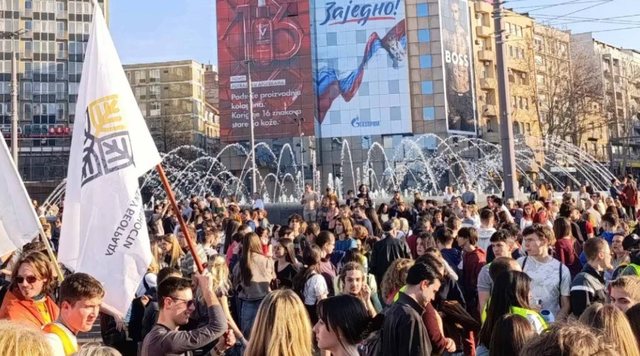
(69, 342)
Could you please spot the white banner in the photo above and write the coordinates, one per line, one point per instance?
(18, 221)
(104, 231)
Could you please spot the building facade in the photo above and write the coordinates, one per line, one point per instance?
(50, 55)
(617, 78)
(171, 96)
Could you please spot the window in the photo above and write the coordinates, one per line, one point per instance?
(427, 87)
(428, 114)
(332, 39)
(364, 89)
(365, 115)
(422, 10)
(425, 61)
(394, 87)
(395, 113)
(154, 109)
(424, 36)
(361, 36)
(334, 117)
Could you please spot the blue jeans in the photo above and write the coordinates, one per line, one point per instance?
(248, 311)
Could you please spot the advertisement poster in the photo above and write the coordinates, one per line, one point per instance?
(272, 38)
(361, 68)
(457, 61)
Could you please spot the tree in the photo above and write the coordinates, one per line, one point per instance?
(571, 99)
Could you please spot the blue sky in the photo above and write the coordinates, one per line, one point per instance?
(186, 29)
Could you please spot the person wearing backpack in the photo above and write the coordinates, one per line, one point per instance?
(551, 280)
(588, 286)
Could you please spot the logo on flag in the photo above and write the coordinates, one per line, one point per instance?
(107, 144)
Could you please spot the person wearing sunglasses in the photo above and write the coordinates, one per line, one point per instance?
(29, 297)
(176, 302)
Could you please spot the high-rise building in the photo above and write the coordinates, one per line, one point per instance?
(51, 46)
(171, 96)
(617, 77)
(519, 60)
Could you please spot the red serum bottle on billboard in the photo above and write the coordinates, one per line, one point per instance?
(263, 35)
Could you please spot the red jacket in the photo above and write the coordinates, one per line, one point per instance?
(630, 196)
(25, 311)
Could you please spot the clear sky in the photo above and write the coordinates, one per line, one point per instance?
(161, 30)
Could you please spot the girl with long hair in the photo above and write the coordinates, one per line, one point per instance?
(564, 248)
(282, 327)
(286, 265)
(343, 323)
(253, 276)
(613, 324)
(221, 285)
(383, 213)
(29, 298)
(510, 334)
(510, 295)
(344, 233)
(309, 282)
(171, 252)
(394, 278)
(372, 215)
(527, 216)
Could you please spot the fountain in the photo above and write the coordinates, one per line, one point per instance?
(425, 164)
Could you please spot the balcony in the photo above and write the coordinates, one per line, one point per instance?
(483, 31)
(489, 110)
(486, 56)
(483, 7)
(487, 83)
(492, 137)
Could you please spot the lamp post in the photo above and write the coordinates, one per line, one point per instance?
(253, 141)
(299, 121)
(14, 90)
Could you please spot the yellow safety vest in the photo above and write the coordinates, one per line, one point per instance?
(518, 311)
(632, 267)
(69, 342)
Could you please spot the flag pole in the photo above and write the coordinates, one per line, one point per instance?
(183, 225)
(52, 256)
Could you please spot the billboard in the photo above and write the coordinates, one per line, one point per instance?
(271, 40)
(361, 70)
(457, 58)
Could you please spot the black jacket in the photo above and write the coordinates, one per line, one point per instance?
(587, 288)
(384, 252)
(403, 332)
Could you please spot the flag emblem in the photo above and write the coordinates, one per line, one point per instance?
(107, 144)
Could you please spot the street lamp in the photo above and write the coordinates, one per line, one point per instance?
(299, 121)
(14, 90)
(253, 141)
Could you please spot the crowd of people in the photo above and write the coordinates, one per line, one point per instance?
(553, 274)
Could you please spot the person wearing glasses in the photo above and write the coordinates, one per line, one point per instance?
(177, 303)
(28, 299)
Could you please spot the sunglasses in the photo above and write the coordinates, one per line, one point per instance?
(30, 279)
(189, 303)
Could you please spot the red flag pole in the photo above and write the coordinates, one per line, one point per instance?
(183, 224)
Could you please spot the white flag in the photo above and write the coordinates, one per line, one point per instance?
(104, 230)
(18, 221)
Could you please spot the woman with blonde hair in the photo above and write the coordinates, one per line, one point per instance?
(395, 278)
(96, 349)
(252, 277)
(21, 340)
(221, 285)
(613, 324)
(171, 252)
(28, 299)
(281, 328)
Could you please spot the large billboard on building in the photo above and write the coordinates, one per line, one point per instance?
(361, 69)
(457, 58)
(272, 38)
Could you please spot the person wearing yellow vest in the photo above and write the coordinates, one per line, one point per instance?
(28, 299)
(80, 299)
(510, 295)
